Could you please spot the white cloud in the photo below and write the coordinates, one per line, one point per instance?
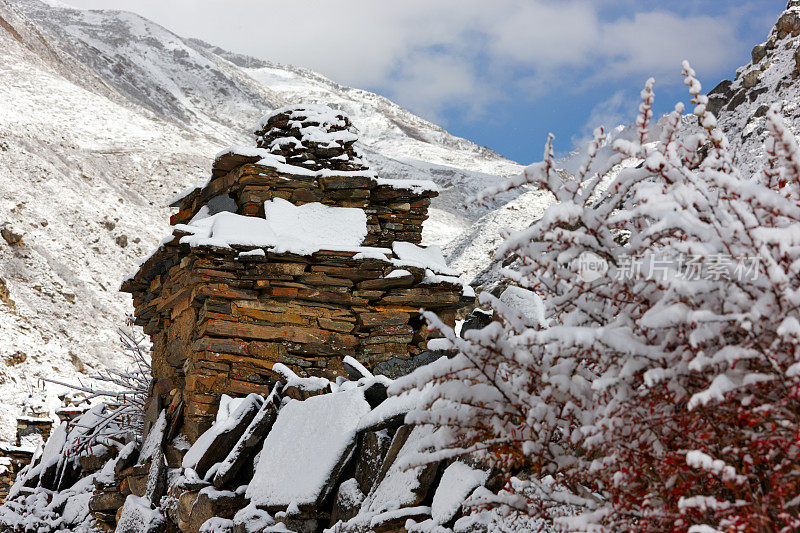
(429, 55)
(544, 35)
(427, 81)
(614, 111)
(657, 43)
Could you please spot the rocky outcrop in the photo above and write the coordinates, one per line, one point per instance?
(770, 78)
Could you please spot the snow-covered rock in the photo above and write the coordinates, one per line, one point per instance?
(308, 446)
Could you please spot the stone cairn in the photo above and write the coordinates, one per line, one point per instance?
(282, 133)
(219, 319)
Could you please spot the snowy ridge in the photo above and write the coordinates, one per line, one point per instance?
(768, 79)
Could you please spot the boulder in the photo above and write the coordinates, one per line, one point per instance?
(156, 479)
(138, 517)
(211, 503)
(751, 79)
(109, 500)
(306, 451)
(372, 450)
(758, 53)
(347, 501)
(403, 487)
(215, 444)
(247, 445)
(477, 319)
(94, 462)
(395, 367)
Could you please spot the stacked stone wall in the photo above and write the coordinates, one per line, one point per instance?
(393, 214)
(219, 321)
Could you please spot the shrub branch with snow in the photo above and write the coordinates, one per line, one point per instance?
(662, 397)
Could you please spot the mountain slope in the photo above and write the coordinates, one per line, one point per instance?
(82, 173)
(221, 95)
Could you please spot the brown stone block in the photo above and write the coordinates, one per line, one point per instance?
(321, 278)
(393, 348)
(291, 269)
(215, 273)
(168, 300)
(176, 353)
(387, 283)
(253, 375)
(393, 330)
(383, 318)
(250, 196)
(214, 344)
(215, 366)
(262, 305)
(368, 294)
(252, 210)
(336, 325)
(281, 292)
(204, 398)
(332, 295)
(423, 297)
(197, 409)
(219, 290)
(208, 315)
(194, 426)
(181, 217)
(205, 384)
(266, 350)
(346, 182)
(305, 196)
(351, 203)
(351, 273)
(323, 254)
(244, 387)
(382, 339)
(234, 361)
(289, 333)
(347, 194)
(275, 318)
(312, 350)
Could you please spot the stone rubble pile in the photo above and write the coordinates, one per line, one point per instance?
(328, 462)
(313, 137)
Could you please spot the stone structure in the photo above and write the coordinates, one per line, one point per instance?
(31, 430)
(234, 291)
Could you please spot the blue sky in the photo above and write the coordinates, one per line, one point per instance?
(502, 73)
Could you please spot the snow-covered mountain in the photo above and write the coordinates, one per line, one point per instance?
(104, 116)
